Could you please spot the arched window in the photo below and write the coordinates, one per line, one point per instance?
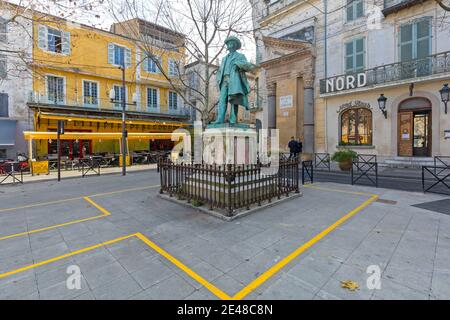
(356, 127)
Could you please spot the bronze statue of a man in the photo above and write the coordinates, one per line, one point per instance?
(232, 81)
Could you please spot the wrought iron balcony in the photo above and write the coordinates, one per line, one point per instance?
(415, 70)
(391, 6)
(104, 105)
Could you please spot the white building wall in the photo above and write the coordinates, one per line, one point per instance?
(18, 82)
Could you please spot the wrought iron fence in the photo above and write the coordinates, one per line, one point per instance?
(436, 179)
(322, 161)
(364, 169)
(307, 172)
(11, 170)
(228, 187)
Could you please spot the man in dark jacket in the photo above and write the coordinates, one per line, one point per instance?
(293, 147)
(300, 146)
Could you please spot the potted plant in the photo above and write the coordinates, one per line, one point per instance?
(345, 158)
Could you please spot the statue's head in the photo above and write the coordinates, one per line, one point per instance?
(233, 44)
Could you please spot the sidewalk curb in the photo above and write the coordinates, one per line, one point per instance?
(76, 177)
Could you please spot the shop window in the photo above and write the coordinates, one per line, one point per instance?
(355, 9)
(2, 153)
(356, 127)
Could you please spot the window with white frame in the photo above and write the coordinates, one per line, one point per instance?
(53, 40)
(90, 93)
(355, 55)
(3, 66)
(55, 89)
(119, 55)
(3, 30)
(173, 68)
(152, 99)
(173, 101)
(150, 64)
(355, 9)
(119, 94)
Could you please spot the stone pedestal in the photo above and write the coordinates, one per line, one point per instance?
(225, 144)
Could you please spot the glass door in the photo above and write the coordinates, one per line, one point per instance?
(421, 144)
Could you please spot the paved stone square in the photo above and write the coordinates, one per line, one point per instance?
(130, 244)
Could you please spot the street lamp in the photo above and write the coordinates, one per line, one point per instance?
(123, 101)
(445, 95)
(382, 105)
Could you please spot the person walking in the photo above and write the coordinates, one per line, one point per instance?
(293, 146)
(300, 146)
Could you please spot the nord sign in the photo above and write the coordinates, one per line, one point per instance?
(345, 83)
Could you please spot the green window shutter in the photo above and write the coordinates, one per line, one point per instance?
(110, 53)
(359, 8)
(350, 16)
(66, 43)
(406, 43)
(423, 32)
(359, 54)
(42, 37)
(349, 57)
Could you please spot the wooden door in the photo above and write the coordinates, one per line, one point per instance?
(405, 133)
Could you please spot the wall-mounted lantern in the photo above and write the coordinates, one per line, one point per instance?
(445, 95)
(382, 105)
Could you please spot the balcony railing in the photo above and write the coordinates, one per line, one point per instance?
(105, 105)
(414, 69)
(391, 6)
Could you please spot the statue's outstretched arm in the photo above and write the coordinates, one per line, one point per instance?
(244, 65)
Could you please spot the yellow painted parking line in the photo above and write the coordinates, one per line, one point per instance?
(67, 255)
(213, 289)
(42, 204)
(281, 264)
(123, 191)
(219, 293)
(104, 212)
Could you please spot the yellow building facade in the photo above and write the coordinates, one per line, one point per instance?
(75, 68)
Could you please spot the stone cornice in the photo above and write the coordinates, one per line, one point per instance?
(288, 58)
(286, 44)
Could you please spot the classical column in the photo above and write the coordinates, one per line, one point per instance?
(308, 126)
(271, 105)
